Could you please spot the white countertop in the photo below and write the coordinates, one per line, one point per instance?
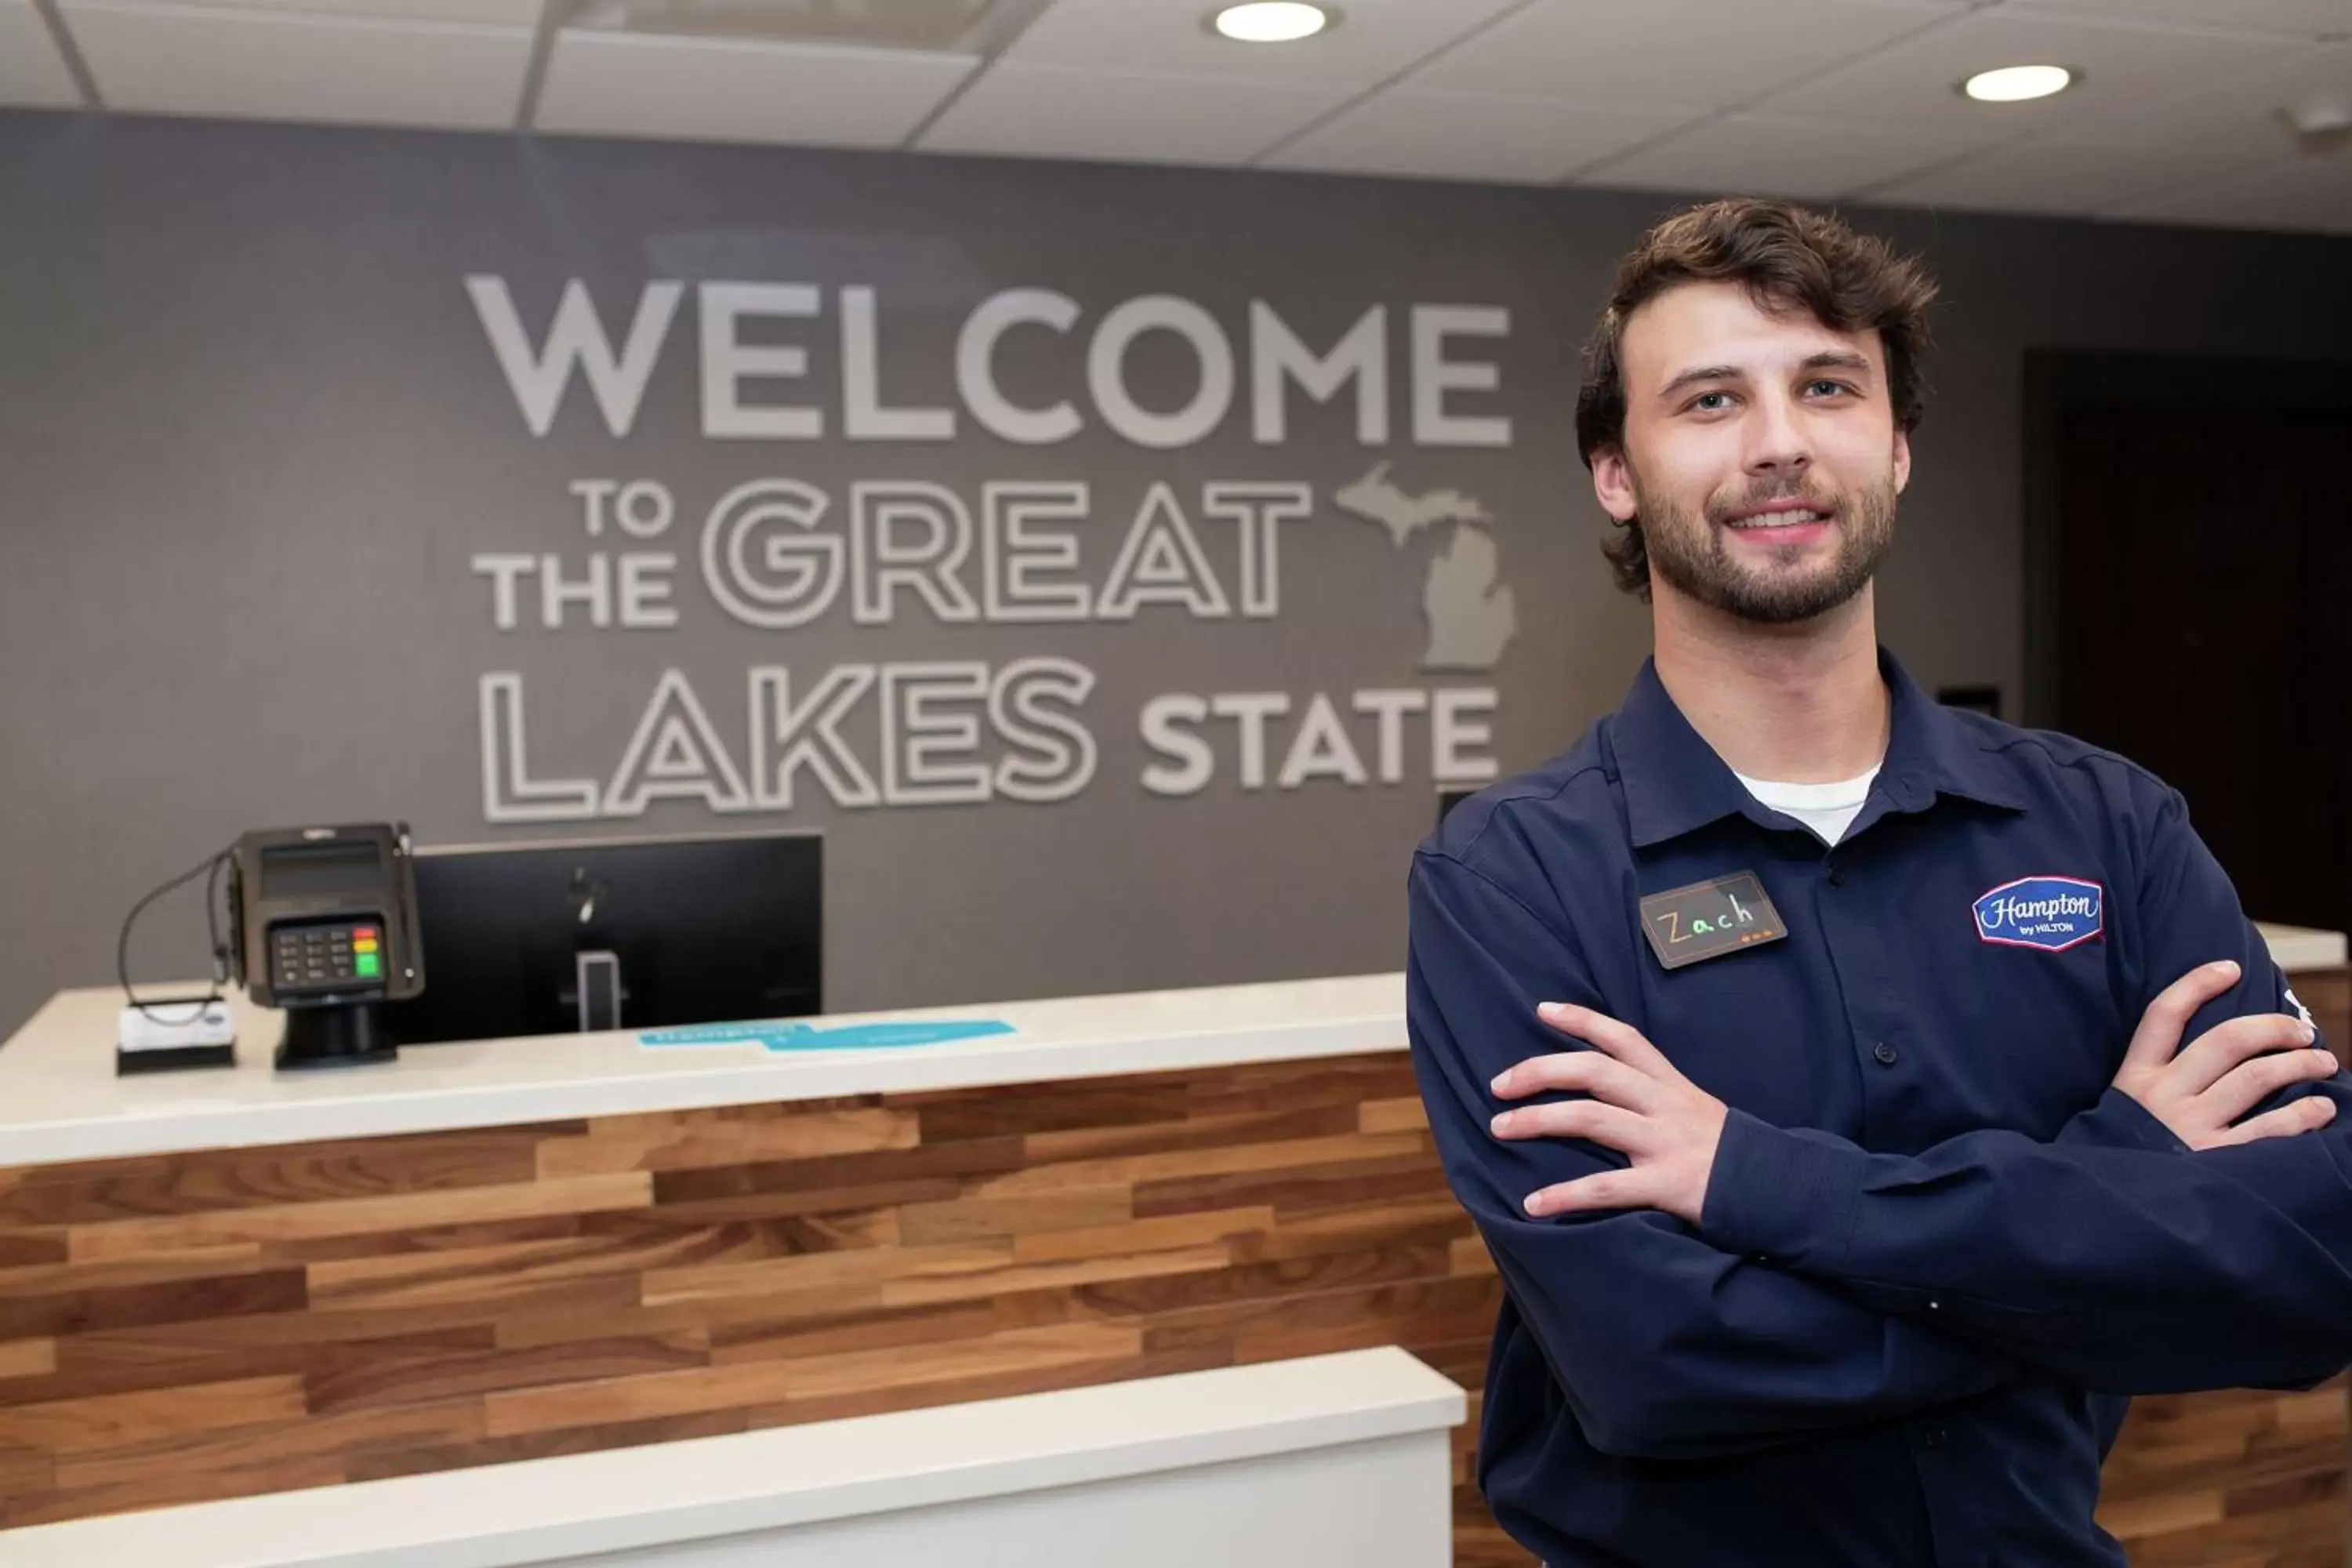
(60, 1099)
(532, 1511)
(2297, 948)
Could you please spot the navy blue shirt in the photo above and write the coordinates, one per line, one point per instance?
(1938, 1252)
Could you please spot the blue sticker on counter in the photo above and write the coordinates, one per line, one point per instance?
(927, 1033)
(788, 1036)
(711, 1034)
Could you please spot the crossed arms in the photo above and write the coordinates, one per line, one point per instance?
(1705, 1290)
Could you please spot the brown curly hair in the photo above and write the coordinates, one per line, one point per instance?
(1790, 259)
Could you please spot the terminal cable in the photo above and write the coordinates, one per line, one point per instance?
(210, 870)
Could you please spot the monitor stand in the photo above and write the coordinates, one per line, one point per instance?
(597, 974)
(346, 1034)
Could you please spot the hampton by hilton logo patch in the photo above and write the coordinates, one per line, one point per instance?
(2053, 913)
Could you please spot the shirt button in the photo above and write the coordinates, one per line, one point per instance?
(1837, 876)
(1936, 1438)
(1886, 1053)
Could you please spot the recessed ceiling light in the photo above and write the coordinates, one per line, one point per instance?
(1272, 21)
(2015, 84)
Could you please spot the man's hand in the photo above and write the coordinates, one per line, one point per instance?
(1640, 1107)
(2226, 1071)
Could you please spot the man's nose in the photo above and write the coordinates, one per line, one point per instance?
(1776, 440)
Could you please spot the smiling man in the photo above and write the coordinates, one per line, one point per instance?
(1810, 1055)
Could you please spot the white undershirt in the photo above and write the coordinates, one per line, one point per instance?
(1828, 809)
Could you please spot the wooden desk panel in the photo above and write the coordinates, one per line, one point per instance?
(215, 1324)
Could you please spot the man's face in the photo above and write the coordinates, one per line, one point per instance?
(1760, 454)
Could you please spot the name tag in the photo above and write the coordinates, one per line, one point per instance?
(1707, 920)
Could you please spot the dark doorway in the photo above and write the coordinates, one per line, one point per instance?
(2189, 571)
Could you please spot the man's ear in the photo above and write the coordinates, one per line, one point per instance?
(1613, 483)
(1902, 460)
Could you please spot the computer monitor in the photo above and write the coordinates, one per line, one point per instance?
(553, 938)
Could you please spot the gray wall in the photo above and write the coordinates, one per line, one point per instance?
(253, 437)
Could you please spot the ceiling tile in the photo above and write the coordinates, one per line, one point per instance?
(2295, 193)
(1054, 111)
(184, 60)
(638, 84)
(1619, 49)
(483, 13)
(1372, 41)
(2126, 69)
(2043, 175)
(2307, 16)
(33, 75)
(1766, 154)
(1416, 131)
(2230, 124)
(2235, 114)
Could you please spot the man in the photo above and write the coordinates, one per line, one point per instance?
(1810, 1055)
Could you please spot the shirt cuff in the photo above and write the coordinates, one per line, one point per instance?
(1789, 1197)
(2119, 1122)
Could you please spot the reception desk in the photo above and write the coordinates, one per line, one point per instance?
(227, 1283)
(1339, 1458)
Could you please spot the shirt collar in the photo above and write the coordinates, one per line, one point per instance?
(1675, 782)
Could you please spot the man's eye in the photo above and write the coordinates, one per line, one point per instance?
(1711, 402)
(1828, 388)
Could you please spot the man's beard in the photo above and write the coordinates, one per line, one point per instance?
(1695, 555)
